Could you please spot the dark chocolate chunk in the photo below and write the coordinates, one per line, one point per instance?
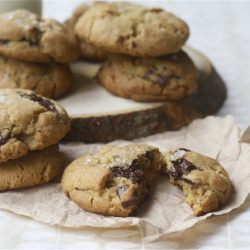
(161, 80)
(149, 155)
(134, 45)
(120, 190)
(147, 75)
(133, 172)
(42, 101)
(183, 149)
(155, 10)
(180, 167)
(129, 203)
(36, 36)
(137, 176)
(155, 78)
(187, 181)
(3, 42)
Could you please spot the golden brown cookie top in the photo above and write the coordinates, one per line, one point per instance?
(29, 122)
(88, 51)
(150, 79)
(132, 29)
(205, 182)
(114, 180)
(51, 80)
(52, 40)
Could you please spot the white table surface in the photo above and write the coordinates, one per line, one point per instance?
(221, 30)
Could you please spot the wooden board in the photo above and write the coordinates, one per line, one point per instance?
(98, 116)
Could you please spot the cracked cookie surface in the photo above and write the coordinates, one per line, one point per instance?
(29, 122)
(113, 181)
(36, 168)
(204, 181)
(88, 51)
(132, 29)
(150, 79)
(26, 36)
(49, 80)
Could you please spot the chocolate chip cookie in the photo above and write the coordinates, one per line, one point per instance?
(204, 181)
(114, 181)
(50, 80)
(150, 79)
(132, 29)
(88, 51)
(36, 168)
(29, 122)
(26, 36)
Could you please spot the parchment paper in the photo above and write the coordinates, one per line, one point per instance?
(164, 211)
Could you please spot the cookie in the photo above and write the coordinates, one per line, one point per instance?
(150, 79)
(36, 168)
(88, 51)
(132, 29)
(29, 122)
(114, 181)
(26, 36)
(204, 181)
(50, 80)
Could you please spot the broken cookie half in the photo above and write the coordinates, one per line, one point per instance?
(113, 181)
(204, 181)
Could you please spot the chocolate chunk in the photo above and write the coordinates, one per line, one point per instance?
(129, 203)
(42, 101)
(180, 167)
(153, 77)
(36, 36)
(155, 10)
(4, 137)
(134, 45)
(149, 155)
(133, 172)
(184, 149)
(175, 77)
(147, 75)
(3, 42)
(187, 181)
(137, 176)
(161, 80)
(184, 165)
(120, 190)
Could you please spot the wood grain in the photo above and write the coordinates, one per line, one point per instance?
(161, 117)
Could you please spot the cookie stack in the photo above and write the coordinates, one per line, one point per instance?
(35, 53)
(149, 64)
(30, 128)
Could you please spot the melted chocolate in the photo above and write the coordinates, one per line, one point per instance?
(187, 181)
(129, 203)
(180, 167)
(42, 101)
(184, 149)
(133, 172)
(151, 76)
(149, 155)
(161, 81)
